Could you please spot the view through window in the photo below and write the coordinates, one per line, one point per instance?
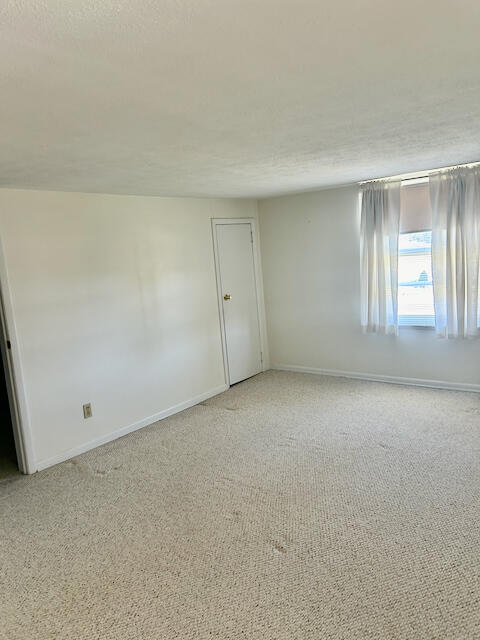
(415, 286)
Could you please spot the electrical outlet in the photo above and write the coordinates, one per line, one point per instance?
(87, 410)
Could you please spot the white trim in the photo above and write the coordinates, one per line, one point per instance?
(258, 288)
(92, 444)
(416, 382)
(14, 375)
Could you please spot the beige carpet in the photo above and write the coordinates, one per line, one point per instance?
(292, 506)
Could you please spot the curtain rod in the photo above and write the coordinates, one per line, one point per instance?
(420, 175)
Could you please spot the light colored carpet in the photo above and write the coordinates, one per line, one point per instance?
(290, 507)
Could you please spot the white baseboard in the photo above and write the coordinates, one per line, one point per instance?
(416, 382)
(92, 444)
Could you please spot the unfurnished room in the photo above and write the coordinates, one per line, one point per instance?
(240, 320)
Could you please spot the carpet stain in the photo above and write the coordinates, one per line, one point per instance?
(383, 445)
(474, 410)
(212, 406)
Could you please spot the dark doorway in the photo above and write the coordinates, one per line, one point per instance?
(8, 455)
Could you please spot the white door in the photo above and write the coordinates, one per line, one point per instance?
(239, 300)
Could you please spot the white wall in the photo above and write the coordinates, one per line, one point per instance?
(115, 303)
(310, 253)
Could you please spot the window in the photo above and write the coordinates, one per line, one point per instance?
(415, 286)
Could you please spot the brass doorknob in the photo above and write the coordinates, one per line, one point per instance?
(227, 296)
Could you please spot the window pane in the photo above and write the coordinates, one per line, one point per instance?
(411, 242)
(415, 289)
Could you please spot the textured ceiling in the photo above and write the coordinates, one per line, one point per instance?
(234, 97)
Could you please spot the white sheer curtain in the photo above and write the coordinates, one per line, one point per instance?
(379, 256)
(455, 199)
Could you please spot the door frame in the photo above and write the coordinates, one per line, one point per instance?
(12, 365)
(258, 288)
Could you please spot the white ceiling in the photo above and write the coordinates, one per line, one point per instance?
(234, 97)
